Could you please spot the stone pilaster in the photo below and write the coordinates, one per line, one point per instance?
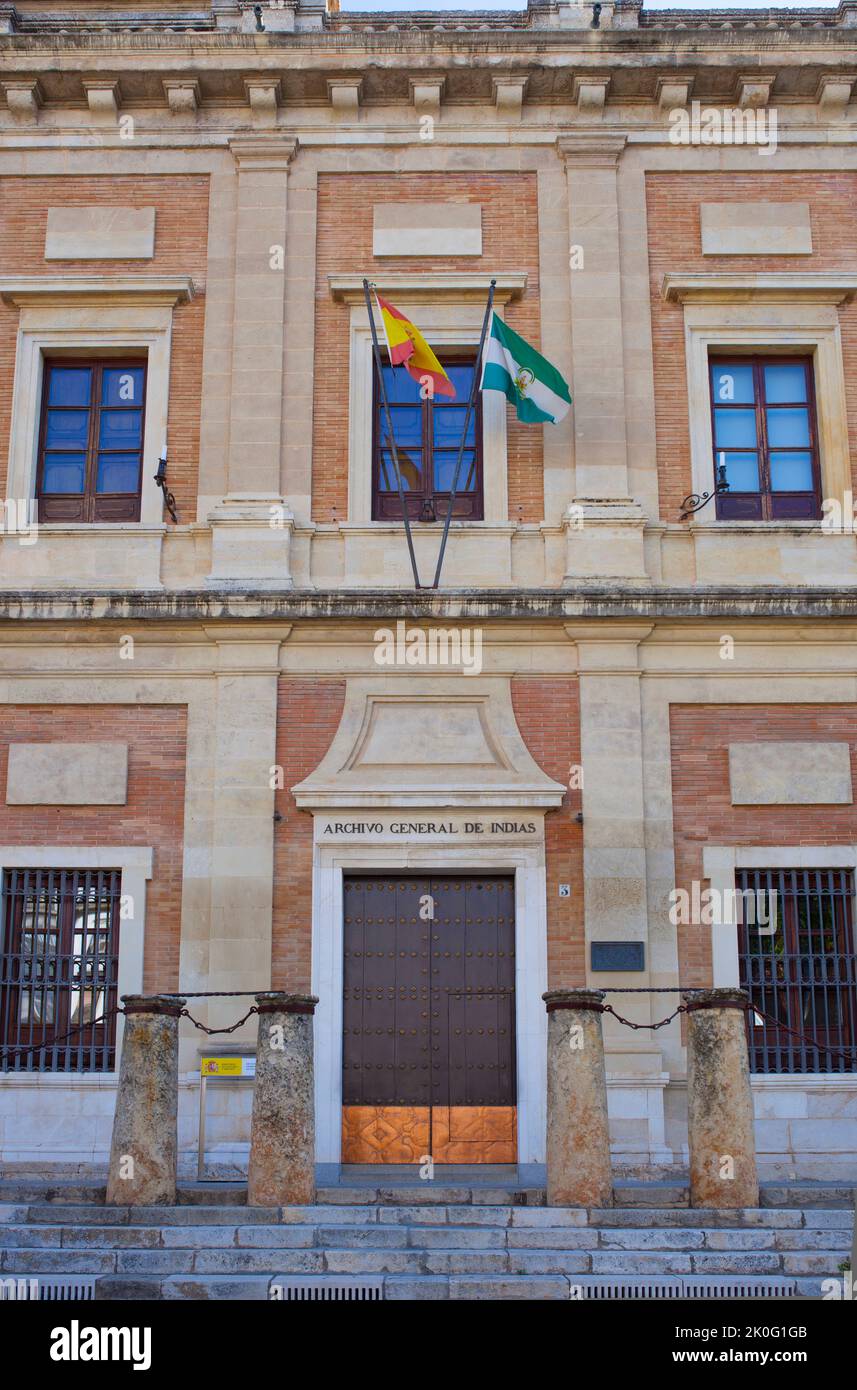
(578, 1140)
(282, 1132)
(720, 1102)
(591, 162)
(241, 870)
(251, 527)
(144, 1147)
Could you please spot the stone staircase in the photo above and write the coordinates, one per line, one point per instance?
(426, 1242)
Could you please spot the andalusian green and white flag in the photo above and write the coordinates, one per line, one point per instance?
(528, 381)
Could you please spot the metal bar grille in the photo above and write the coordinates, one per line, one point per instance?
(797, 963)
(59, 958)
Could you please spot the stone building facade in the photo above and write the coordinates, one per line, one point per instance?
(208, 775)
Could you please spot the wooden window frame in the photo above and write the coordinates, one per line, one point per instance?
(766, 505)
(427, 505)
(89, 505)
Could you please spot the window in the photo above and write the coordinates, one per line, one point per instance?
(764, 431)
(428, 435)
(803, 973)
(91, 440)
(58, 968)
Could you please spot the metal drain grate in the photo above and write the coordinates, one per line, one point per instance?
(733, 1286)
(648, 1287)
(339, 1288)
(48, 1288)
(607, 1287)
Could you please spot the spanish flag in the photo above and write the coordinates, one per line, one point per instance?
(409, 349)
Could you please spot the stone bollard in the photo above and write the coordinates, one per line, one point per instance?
(282, 1131)
(720, 1102)
(578, 1149)
(144, 1146)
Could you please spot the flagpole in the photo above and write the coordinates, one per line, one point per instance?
(474, 388)
(376, 352)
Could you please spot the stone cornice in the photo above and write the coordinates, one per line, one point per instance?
(214, 606)
(96, 289)
(785, 288)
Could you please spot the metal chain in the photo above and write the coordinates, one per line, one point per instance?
(810, 1042)
(209, 993)
(608, 1009)
(204, 1029)
(55, 1042)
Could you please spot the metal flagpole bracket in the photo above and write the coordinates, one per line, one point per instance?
(471, 401)
(376, 353)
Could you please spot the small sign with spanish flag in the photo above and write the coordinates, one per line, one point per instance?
(409, 349)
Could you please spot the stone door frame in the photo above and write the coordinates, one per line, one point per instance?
(331, 862)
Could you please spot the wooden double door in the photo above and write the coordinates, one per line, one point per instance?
(429, 1019)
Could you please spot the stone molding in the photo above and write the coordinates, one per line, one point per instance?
(458, 285)
(714, 287)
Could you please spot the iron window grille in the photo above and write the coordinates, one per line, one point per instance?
(59, 969)
(798, 965)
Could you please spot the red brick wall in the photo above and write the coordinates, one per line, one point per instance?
(548, 715)
(308, 715)
(344, 245)
(181, 234)
(673, 202)
(702, 810)
(153, 814)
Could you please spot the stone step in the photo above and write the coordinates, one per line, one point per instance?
(629, 1193)
(177, 1272)
(377, 1236)
(118, 1219)
(427, 1287)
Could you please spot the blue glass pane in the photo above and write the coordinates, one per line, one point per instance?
(67, 429)
(69, 386)
(788, 429)
(407, 425)
(122, 386)
(64, 472)
(791, 473)
(400, 387)
(411, 467)
(735, 429)
(118, 473)
(120, 429)
(742, 472)
(444, 470)
(449, 423)
(733, 383)
(785, 383)
(462, 379)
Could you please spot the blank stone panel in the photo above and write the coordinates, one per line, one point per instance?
(100, 234)
(67, 774)
(755, 229)
(427, 229)
(790, 774)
